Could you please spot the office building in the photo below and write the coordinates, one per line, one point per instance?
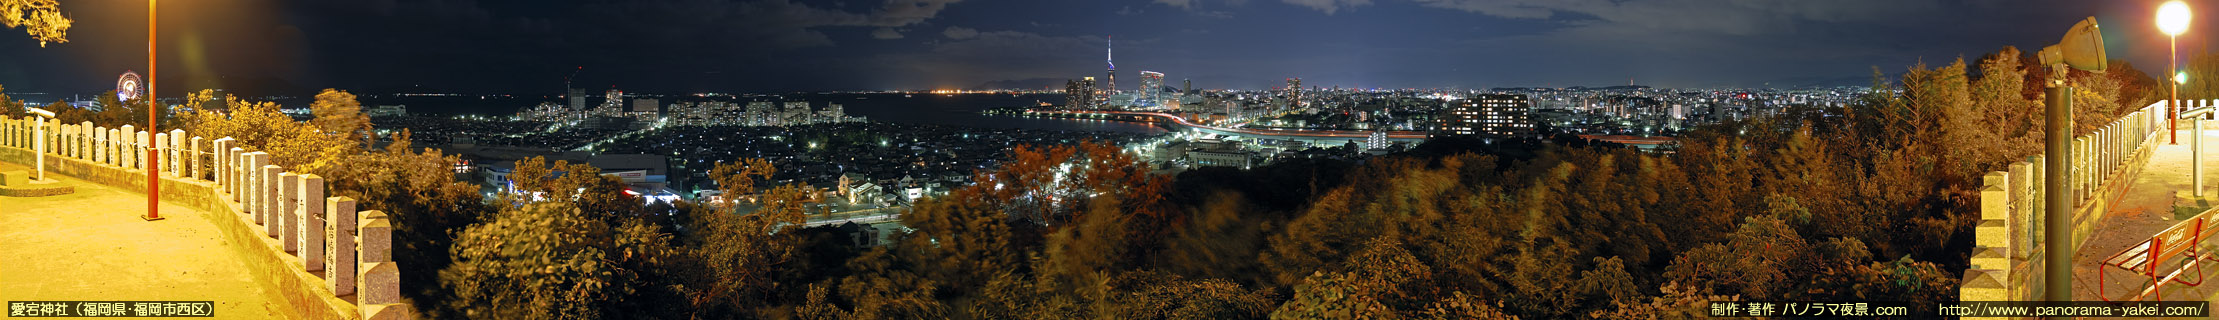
(1486, 115)
(1151, 89)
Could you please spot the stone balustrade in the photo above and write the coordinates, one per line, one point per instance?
(2007, 258)
(305, 226)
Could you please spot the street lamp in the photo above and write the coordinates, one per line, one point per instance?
(2082, 48)
(153, 106)
(2172, 18)
(2195, 139)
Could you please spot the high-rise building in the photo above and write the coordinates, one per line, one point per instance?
(761, 113)
(1486, 115)
(577, 99)
(1078, 94)
(797, 113)
(1151, 89)
(1189, 88)
(1070, 94)
(646, 105)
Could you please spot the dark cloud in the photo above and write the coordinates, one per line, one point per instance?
(960, 33)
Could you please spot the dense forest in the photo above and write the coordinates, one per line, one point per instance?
(1871, 201)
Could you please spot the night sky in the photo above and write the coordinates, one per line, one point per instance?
(685, 46)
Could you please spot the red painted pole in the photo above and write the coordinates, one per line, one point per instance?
(154, 106)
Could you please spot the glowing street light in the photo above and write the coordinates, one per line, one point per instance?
(2172, 18)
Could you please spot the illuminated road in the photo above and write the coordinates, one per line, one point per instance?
(1320, 134)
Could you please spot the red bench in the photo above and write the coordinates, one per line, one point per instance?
(2178, 241)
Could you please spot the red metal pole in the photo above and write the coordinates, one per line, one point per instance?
(153, 157)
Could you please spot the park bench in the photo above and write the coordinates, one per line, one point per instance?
(2181, 241)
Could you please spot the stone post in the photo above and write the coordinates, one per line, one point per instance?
(99, 141)
(172, 148)
(268, 198)
(339, 257)
(311, 232)
(84, 141)
(396, 311)
(161, 146)
(1991, 237)
(288, 189)
(219, 149)
(250, 197)
(380, 284)
(380, 276)
(228, 171)
(62, 144)
(377, 237)
(2021, 208)
(192, 155)
(2080, 170)
(127, 140)
(73, 137)
(138, 151)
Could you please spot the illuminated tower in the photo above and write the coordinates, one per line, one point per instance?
(1109, 84)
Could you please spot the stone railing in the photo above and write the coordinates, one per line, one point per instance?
(2007, 257)
(320, 257)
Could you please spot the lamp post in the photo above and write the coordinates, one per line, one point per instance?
(153, 107)
(2172, 18)
(2082, 48)
(2195, 139)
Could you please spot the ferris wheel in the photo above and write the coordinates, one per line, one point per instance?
(128, 86)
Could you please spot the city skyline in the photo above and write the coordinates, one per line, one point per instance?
(528, 48)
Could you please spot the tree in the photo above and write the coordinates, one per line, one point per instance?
(338, 113)
(259, 126)
(42, 19)
(741, 252)
(1376, 284)
(540, 261)
(9, 107)
(427, 205)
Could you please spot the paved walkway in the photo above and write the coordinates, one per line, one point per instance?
(91, 245)
(2148, 207)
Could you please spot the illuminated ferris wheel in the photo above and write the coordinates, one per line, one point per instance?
(128, 86)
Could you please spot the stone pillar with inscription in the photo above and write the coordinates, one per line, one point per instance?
(138, 151)
(193, 156)
(161, 146)
(270, 199)
(99, 145)
(124, 142)
(312, 230)
(172, 153)
(339, 257)
(380, 280)
(250, 198)
(288, 190)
